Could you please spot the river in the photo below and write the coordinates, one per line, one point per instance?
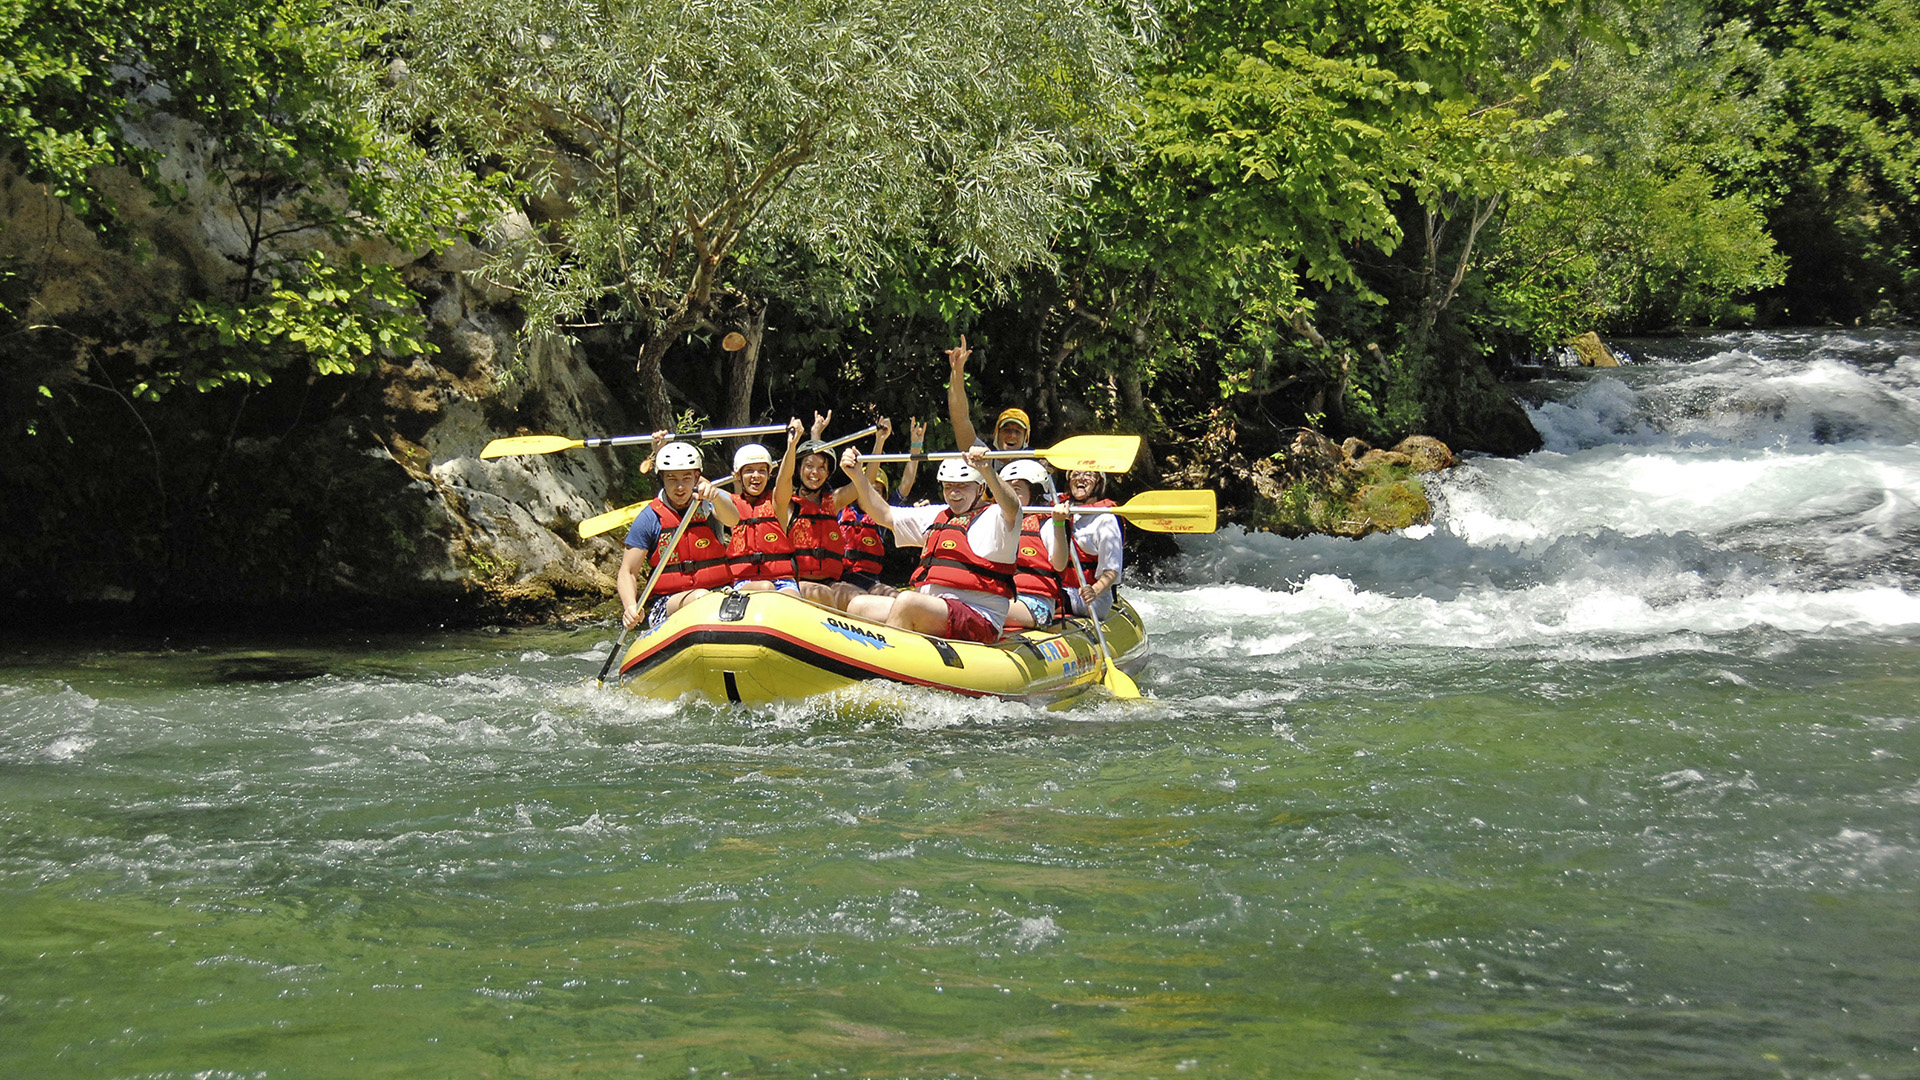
(1614, 771)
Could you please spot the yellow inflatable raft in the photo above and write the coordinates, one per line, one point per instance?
(766, 646)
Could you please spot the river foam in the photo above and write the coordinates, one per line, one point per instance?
(1675, 503)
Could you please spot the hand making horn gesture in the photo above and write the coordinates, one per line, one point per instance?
(957, 357)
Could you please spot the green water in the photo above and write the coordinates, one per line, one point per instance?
(450, 859)
(1614, 773)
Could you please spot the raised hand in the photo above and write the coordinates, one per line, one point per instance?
(820, 422)
(957, 357)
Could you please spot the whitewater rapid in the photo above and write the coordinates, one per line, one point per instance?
(1770, 487)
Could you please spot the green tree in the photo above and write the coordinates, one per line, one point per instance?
(1664, 220)
(661, 143)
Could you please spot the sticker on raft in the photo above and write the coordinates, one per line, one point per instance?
(856, 633)
(1053, 649)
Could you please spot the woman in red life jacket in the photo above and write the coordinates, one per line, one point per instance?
(867, 542)
(698, 563)
(1043, 549)
(866, 549)
(965, 580)
(761, 553)
(819, 547)
(1098, 546)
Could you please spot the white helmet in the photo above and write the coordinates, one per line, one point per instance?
(957, 471)
(675, 456)
(1026, 469)
(751, 454)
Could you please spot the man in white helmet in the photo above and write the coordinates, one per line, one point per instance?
(698, 562)
(965, 579)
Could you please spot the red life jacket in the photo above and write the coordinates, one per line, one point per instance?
(865, 548)
(819, 549)
(698, 561)
(949, 560)
(759, 549)
(1089, 560)
(1033, 573)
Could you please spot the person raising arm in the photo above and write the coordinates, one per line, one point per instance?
(971, 541)
(1010, 432)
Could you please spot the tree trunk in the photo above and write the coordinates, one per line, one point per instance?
(743, 365)
(653, 385)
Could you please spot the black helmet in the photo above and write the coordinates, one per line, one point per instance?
(815, 446)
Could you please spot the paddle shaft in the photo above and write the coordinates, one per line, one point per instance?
(943, 455)
(1123, 511)
(693, 511)
(709, 433)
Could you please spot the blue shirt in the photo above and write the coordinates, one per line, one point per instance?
(645, 530)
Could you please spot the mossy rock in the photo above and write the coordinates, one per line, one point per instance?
(1379, 492)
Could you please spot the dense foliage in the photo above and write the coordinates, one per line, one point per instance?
(1212, 220)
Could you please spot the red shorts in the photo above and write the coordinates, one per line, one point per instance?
(966, 624)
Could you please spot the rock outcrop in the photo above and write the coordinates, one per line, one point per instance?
(1350, 489)
(361, 490)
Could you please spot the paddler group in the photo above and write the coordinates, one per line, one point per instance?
(996, 556)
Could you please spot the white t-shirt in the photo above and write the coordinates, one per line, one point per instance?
(990, 538)
(1099, 534)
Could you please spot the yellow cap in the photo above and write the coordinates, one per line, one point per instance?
(1018, 416)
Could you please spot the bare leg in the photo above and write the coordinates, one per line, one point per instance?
(1018, 616)
(753, 586)
(871, 608)
(836, 594)
(920, 613)
(680, 600)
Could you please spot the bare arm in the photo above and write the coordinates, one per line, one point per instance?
(959, 410)
(1003, 495)
(633, 565)
(916, 442)
(874, 503)
(723, 506)
(845, 496)
(783, 480)
(1062, 545)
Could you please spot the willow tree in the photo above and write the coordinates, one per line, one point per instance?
(665, 139)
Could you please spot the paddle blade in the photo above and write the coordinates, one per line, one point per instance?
(1172, 511)
(1119, 683)
(530, 444)
(1098, 453)
(611, 520)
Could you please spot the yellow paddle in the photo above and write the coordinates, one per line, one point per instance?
(618, 519)
(553, 444)
(1096, 453)
(1156, 511)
